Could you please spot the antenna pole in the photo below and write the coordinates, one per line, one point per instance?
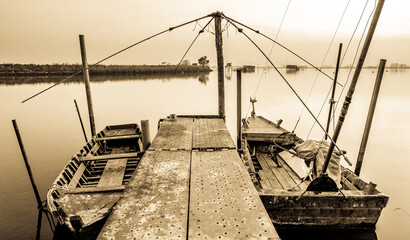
(87, 85)
(332, 99)
(370, 116)
(352, 87)
(220, 62)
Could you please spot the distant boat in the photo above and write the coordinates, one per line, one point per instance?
(292, 68)
(92, 182)
(248, 68)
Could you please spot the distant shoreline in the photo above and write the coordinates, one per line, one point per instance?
(27, 70)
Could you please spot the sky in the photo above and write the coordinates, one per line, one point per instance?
(46, 31)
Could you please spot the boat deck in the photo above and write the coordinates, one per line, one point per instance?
(279, 177)
(190, 184)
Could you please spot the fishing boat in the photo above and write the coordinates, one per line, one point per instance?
(282, 178)
(88, 187)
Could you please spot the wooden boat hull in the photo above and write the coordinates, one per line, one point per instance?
(87, 189)
(323, 210)
(357, 205)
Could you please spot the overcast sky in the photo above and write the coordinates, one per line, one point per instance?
(46, 31)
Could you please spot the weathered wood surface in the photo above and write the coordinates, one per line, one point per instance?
(174, 134)
(168, 198)
(211, 133)
(258, 125)
(279, 178)
(77, 176)
(118, 137)
(95, 189)
(223, 202)
(327, 209)
(155, 203)
(120, 131)
(110, 156)
(113, 173)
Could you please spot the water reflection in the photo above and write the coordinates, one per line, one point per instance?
(202, 78)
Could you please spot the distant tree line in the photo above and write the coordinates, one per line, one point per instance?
(9, 69)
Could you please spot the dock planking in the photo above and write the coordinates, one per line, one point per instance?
(190, 184)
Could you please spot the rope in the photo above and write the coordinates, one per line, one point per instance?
(287, 49)
(324, 59)
(273, 44)
(286, 81)
(192, 43)
(357, 49)
(351, 68)
(116, 53)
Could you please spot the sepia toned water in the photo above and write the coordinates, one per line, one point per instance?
(52, 133)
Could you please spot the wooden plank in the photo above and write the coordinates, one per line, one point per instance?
(223, 200)
(264, 181)
(295, 163)
(155, 203)
(118, 137)
(110, 156)
(268, 172)
(113, 173)
(94, 150)
(285, 180)
(174, 134)
(95, 189)
(211, 133)
(77, 176)
(292, 173)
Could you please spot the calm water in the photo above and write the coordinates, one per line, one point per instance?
(51, 131)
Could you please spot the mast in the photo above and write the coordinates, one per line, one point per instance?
(87, 85)
(352, 87)
(332, 99)
(220, 62)
(370, 116)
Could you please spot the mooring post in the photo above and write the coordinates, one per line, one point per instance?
(81, 120)
(352, 87)
(146, 138)
(238, 105)
(220, 62)
(369, 120)
(332, 98)
(87, 85)
(23, 152)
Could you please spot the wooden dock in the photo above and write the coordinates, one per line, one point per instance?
(190, 184)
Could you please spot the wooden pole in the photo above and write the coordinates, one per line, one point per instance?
(238, 106)
(146, 138)
(220, 62)
(87, 85)
(23, 152)
(370, 115)
(353, 83)
(332, 99)
(81, 120)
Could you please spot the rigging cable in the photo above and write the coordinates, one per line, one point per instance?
(271, 49)
(186, 52)
(269, 38)
(286, 81)
(116, 53)
(351, 68)
(323, 61)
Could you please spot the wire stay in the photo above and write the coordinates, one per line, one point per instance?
(116, 53)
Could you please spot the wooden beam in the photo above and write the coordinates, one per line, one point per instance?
(111, 156)
(77, 176)
(95, 189)
(118, 137)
